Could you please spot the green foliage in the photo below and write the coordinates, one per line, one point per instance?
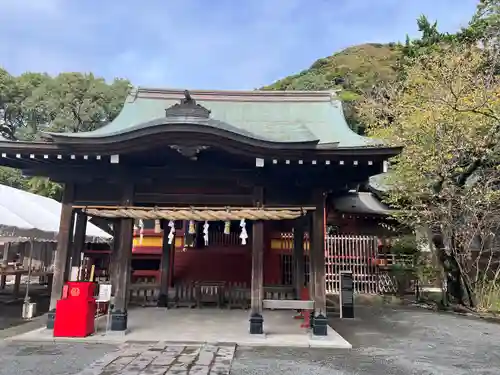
(13, 178)
(15, 116)
(69, 102)
(353, 72)
(406, 244)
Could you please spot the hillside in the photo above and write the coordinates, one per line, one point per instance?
(354, 70)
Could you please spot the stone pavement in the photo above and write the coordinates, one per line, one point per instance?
(164, 359)
(202, 326)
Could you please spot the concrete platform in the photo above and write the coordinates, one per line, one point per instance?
(203, 326)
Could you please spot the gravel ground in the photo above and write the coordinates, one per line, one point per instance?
(49, 358)
(385, 342)
(389, 342)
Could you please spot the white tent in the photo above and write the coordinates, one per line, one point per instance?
(28, 215)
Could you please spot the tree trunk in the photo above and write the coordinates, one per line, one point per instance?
(436, 262)
(459, 284)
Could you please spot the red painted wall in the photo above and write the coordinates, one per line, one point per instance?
(213, 264)
(224, 264)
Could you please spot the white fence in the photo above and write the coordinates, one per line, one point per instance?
(352, 253)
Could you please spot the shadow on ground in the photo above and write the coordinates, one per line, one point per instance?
(11, 308)
(389, 341)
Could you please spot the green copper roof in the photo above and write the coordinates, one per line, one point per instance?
(273, 116)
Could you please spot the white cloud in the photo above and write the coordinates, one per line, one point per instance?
(227, 44)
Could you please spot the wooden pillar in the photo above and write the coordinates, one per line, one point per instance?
(5, 263)
(318, 254)
(165, 266)
(312, 267)
(171, 272)
(79, 238)
(67, 269)
(119, 315)
(61, 256)
(298, 257)
(257, 286)
(113, 259)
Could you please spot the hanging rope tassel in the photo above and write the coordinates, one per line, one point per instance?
(171, 234)
(205, 232)
(227, 227)
(243, 234)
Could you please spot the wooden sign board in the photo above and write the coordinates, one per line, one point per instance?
(346, 295)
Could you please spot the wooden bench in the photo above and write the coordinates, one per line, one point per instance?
(287, 304)
(305, 306)
(279, 292)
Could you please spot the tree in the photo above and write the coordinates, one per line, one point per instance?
(75, 102)
(484, 26)
(446, 113)
(15, 117)
(69, 102)
(13, 178)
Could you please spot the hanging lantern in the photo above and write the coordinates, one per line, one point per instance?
(227, 227)
(191, 228)
(171, 234)
(243, 234)
(141, 231)
(157, 226)
(205, 232)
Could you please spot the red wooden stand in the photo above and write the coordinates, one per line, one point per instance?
(75, 311)
(305, 315)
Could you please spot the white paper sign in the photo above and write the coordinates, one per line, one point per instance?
(74, 273)
(104, 292)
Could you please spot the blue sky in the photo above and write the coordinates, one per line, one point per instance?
(204, 44)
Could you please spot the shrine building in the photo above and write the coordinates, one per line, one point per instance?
(202, 182)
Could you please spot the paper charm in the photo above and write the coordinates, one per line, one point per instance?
(243, 234)
(205, 232)
(227, 227)
(191, 228)
(171, 234)
(141, 231)
(157, 226)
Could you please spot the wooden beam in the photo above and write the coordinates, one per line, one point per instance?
(194, 199)
(135, 174)
(61, 255)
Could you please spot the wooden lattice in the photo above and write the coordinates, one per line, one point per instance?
(352, 253)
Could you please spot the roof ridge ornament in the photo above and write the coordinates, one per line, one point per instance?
(187, 108)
